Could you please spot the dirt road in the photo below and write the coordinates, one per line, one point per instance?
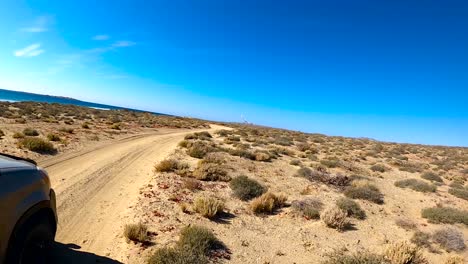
(97, 187)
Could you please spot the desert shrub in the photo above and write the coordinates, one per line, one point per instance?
(366, 191)
(198, 240)
(211, 172)
(303, 147)
(334, 217)
(406, 224)
(213, 157)
(445, 215)
(245, 188)
(85, 125)
(184, 144)
(53, 137)
(295, 162)
(136, 232)
(66, 130)
(330, 162)
(455, 260)
(431, 176)
(352, 208)
(421, 239)
(309, 208)
(243, 153)
(283, 141)
(192, 184)
(379, 168)
(176, 255)
(262, 156)
(460, 193)
(30, 132)
(208, 206)
(18, 135)
(416, 185)
(343, 257)
(170, 165)
(37, 145)
(199, 150)
(337, 180)
(116, 126)
(267, 203)
(412, 167)
(404, 253)
(449, 238)
(2, 134)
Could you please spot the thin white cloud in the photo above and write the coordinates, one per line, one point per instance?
(30, 51)
(123, 43)
(101, 37)
(40, 25)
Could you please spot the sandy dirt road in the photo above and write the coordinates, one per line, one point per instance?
(96, 189)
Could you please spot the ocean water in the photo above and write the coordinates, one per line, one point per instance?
(14, 96)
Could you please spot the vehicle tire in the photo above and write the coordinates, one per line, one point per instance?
(32, 242)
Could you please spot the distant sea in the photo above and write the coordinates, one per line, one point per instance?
(14, 96)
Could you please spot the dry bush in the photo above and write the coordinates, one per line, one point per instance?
(460, 193)
(331, 162)
(245, 188)
(404, 253)
(406, 224)
(85, 126)
(303, 147)
(2, 134)
(136, 232)
(243, 153)
(211, 172)
(413, 167)
(184, 144)
(53, 137)
(379, 168)
(170, 165)
(455, 260)
(364, 191)
(295, 162)
(213, 157)
(262, 156)
(18, 135)
(352, 208)
(30, 132)
(337, 180)
(336, 218)
(199, 150)
(198, 240)
(343, 257)
(37, 145)
(208, 206)
(449, 238)
(267, 203)
(445, 215)
(416, 185)
(66, 130)
(431, 176)
(192, 184)
(421, 239)
(176, 255)
(308, 208)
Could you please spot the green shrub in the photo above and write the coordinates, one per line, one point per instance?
(416, 185)
(53, 137)
(199, 149)
(364, 192)
(30, 132)
(460, 193)
(449, 238)
(208, 206)
(352, 208)
(136, 232)
(198, 239)
(245, 188)
(445, 215)
(379, 168)
(431, 176)
(37, 145)
(309, 208)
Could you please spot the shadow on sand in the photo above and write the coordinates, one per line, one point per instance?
(70, 254)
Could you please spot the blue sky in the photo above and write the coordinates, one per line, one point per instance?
(390, 70)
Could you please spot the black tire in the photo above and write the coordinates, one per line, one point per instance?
(33, 241)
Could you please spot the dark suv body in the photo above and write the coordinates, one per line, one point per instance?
(28, 218)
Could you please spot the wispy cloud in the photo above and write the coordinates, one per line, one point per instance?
(30, 51)
(114, 46)
(40, 25)
(123, 43)
(101, 37)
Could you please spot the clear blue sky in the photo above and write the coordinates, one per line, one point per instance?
(390, 70)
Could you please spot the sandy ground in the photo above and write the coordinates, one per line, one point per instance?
(96, 190)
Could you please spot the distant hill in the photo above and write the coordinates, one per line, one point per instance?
(8, 95)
